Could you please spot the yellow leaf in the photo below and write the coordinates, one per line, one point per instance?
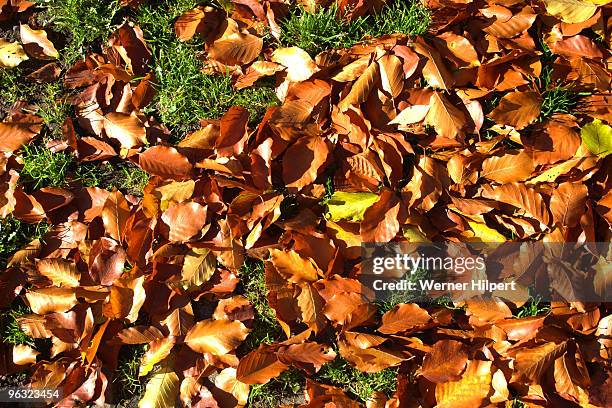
(175, 192)
(198, 266)
(413, 234)
(351, 239)
(551, 174)
(349, 206)
(11, 54)
(571, 11)
(597, 136)
(158, 350)
(483, 233)
(162, 389)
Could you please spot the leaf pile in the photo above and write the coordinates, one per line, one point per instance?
(439, 137)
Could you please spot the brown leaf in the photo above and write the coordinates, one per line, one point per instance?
(404, 317)
(106, 261)
(567, 203)
(49, 300)
(303, 161)
(523, 328)
(91, 149)
(311, 306)
(469, 391)
(299, 64)
(127, 296)
(59, 271)
(259, 366)
(527, 201)
(578, 46)
(217, 337)
(445, 362)
(380, 222)
(115, 213)
(487, 311)
(293, 267)
(36, 43)
(507, 25)
(184, 220)
(508, 168)
(391, 74)
(308, 356)
(14, 135)
(233, 132)
(127, 129)
(235, 47)
(435, 72)
(166, 162)
(517, 109)
(531, 363)
(361, 88)
(188, 24)
(139, 335)
(447, 119)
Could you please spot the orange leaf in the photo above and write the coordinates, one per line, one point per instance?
(404, 317)
(445, 362)
(184, 220)
(508, 168)
(517, 109)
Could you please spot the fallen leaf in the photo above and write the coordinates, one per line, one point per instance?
(517, 109)
(217, 337)
(299, 64)
(36, 43)
(445, 362)
(11, 54)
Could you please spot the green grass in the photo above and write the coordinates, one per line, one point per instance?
(402, 17)
(53, 108)
(43, 168)
(277, 391)
(185, 94)
(11, 333)
(82, 22)
(11, 87)
(123, 176)
(266, 328)
(360, 385)
(131, 385)
(325, 29)
(534, 307)
(558, 100)
(14, 234)
(321, 30)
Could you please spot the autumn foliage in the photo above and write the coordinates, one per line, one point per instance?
(446, 136)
